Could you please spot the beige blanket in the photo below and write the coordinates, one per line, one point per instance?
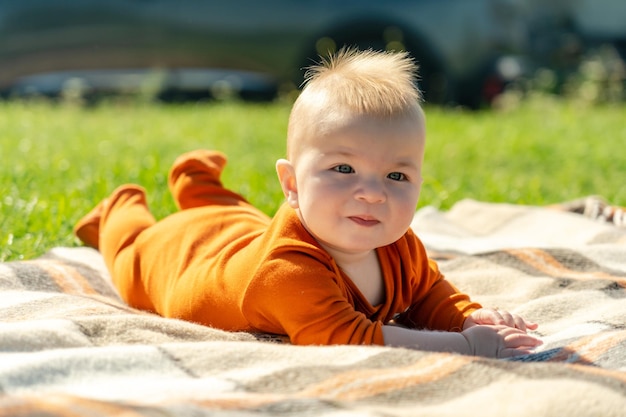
(70, 347)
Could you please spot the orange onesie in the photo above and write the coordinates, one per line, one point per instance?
(223, 263)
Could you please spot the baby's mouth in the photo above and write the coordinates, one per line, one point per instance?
(364, 220)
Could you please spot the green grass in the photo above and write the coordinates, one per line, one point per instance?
(57, 162)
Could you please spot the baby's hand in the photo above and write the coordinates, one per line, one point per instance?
(498, 318)
(499, 341)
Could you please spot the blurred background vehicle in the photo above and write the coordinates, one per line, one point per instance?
(561, 31)
(466, 49)
(577, 48)
(601, 22)
(589, 22)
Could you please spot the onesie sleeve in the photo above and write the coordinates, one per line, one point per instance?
(301, 296)
(445, 306)
(437, 304)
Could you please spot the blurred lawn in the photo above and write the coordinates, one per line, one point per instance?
(56, 162)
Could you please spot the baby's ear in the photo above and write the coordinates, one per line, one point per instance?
(287, 177)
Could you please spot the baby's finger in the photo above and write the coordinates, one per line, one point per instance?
(517, 339)
(507, 319)
(520, 323)
(530, 325)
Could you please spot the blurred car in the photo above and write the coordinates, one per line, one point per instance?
(254, 48)
(601, 21)
(562, 28)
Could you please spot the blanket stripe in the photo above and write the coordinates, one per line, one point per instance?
(571, 265)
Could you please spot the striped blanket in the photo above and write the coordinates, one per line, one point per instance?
(70, 347)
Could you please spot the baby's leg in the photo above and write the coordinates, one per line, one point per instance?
(112, 227)
(125, 215)
(194, 181)
(88, 228)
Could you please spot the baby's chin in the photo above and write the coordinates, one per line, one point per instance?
(338, 245)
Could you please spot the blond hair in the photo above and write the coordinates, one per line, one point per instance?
(354, 83)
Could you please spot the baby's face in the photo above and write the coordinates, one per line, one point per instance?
(358, 184)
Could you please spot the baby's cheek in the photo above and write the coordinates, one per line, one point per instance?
(406, 204)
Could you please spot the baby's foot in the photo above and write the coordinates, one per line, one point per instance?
(88, 228)
(195, 178)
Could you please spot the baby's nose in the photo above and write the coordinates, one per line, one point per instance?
(371, 191)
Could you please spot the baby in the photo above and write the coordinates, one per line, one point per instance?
(338, 263)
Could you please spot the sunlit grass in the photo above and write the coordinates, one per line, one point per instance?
(541, 153)
(58, 161)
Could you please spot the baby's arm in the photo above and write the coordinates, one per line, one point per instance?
(483, 340)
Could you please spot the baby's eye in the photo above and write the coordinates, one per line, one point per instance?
(397, 176)
(344, 169)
